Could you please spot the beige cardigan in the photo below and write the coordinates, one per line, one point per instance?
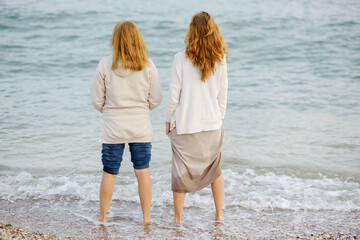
(125, 99)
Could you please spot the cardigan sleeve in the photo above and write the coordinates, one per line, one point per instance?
(174, 88)
(155, 96)
(97, 91)
(222, 95)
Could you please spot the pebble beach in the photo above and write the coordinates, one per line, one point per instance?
(7, 232)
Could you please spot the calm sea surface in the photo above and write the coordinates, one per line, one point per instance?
(291, 159)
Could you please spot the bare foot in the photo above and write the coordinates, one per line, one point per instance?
(147, 220)
(102, 220)
(177, 220)
(219, 216)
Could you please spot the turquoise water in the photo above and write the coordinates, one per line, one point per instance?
(292, 124)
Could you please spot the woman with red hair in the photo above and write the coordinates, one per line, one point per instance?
(195, 112)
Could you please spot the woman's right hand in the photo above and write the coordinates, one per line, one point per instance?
(167, 127)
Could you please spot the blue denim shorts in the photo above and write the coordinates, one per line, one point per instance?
(112, 156)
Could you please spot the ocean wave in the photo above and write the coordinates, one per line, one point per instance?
(249, 189)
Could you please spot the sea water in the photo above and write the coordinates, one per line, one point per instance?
(291, 158)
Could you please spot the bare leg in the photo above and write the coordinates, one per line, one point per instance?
(106, 191)
(179, 199)
(144, 186)
(217, 188)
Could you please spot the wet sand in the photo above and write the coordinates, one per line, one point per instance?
(43, 219)
(7, 231)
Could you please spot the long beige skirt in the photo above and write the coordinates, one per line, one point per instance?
(195, 159)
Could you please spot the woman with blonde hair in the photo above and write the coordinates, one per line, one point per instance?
(125, 88)
(195, 112)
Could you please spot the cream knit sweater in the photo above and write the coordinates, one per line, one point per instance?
(125, 99)
(194, 106)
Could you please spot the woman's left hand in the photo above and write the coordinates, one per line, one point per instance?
(167, 127)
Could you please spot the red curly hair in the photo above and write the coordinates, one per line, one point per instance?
(204, 44)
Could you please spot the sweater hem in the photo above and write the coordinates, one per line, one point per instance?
(191, 131)
(126, 140)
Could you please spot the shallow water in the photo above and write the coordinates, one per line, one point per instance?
(292, 154)
(124, 222)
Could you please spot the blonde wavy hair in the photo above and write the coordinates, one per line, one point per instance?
(204, 44)
(128, 46)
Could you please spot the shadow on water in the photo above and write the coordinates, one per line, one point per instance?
(217, 232)
(178, 232)
(147, 229)
(107, 232)
(104, 233)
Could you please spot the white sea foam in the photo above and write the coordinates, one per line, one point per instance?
(250, 189)
(269, 191)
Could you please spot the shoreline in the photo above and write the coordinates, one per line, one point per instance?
(8, 231)
(70, 219)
